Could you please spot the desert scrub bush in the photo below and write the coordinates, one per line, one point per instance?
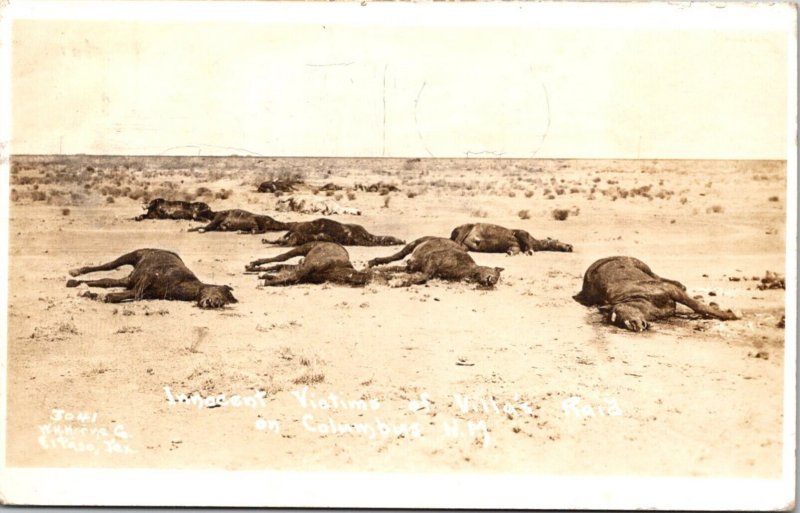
(312, 373)
(338, 197)
(136, 194)
(386, 201)
(38, 195)
(329, 193)
(68, 327)
(409, 164)
(65, 211)
(24, 180)
(715, 209)
(773, 198)
(14, 195)
(560, 214)
(203, 191)
(480, 213)
(57, 197)
(309, 378)
(351, 195)
(524, 214)
(109, 199)
(512, 194)
(223, 194)
(684, 200)
(551, 197)
(77, 198)
(528, 194)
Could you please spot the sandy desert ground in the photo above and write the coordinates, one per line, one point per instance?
(690, 397)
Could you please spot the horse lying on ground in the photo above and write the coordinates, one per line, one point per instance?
(436, 257)
(491, 238)
(323, 262)
(328, 230)
(157, 274)
(160, 208)
(633, 296)
(241, 221)
(278, 186)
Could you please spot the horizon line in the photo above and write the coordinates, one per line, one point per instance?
(385, 158)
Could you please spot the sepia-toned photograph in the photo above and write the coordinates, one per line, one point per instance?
(399, 255)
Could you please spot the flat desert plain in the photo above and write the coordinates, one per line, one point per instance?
(444, 377)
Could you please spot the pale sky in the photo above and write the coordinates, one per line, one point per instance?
(330, 88)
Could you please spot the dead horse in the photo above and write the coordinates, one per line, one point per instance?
(323, 262)
(492, 238)
(633, 296)
(157, 274)
(437, 257)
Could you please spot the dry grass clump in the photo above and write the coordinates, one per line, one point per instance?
(136, 194)
(309, 378)
(201, 192)
(560, 214)
(68, 327)
(312, 373)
